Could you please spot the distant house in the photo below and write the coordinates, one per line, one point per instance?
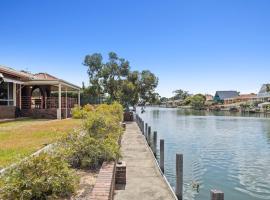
(35, 95)
(241, 98)
(264, 91)
(209, 97)
(220, 96)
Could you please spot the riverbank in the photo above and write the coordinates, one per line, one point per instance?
(144, 179)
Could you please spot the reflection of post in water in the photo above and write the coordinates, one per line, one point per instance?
(156, 114)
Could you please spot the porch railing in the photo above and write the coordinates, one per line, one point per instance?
(29, 102)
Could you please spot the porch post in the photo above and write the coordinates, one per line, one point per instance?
(59, 111)
(20, 96)
(14, 94)
(66, 104)
(79, 98)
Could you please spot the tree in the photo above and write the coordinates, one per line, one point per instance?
(129, 94)
(115, 78)
(147, 85)
(180, 94)
(83, 86)
(197, 101)
(163, 99)
(113, 73)
(106, 77)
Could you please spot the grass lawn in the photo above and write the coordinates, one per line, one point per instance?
(23, 137)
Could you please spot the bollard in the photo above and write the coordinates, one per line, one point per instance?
(162, 155)
(217, 195)
(149, 135)
(155, 144)
(179, 176)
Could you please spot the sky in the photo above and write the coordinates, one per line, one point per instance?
(197, 45)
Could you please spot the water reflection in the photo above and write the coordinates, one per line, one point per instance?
(228, 151)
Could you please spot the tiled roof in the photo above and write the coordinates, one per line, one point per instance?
(44, 76)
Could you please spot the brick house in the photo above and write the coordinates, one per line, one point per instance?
(35, 95)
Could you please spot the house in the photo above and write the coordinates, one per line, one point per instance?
(241, 98)
(209, 97)
(220, 96)
(264, 93)
(35, 95)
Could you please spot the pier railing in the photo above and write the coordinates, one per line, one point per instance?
(152, 142)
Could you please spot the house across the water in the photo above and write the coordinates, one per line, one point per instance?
(35, 95)
(264, 93)
(241, 98)
(220, 96)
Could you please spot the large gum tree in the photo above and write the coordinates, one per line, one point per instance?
(116, 79)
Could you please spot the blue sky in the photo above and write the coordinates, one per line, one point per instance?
(200, 46)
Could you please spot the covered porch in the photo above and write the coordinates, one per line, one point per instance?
(48, 99)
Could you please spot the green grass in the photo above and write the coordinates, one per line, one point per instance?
(21, 138)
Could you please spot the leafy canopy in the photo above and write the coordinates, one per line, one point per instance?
(116, 79)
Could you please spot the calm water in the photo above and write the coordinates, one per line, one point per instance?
(230, 153)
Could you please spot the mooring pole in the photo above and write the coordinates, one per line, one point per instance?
(149, 136)
(162, 155)
(217, 195)
(155, 144)
(142, 127)
(146, 129)
(179, 176)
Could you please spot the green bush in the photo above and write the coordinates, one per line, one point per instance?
(84, 151)
(40, 177)
(99, 142)
(77, 112)
(115, 109)
(88, 108)
(80, 151)
(99, 125)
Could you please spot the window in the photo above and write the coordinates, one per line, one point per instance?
(6, 94)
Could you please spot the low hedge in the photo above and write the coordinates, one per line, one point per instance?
(50, 175)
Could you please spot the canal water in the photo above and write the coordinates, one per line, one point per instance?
(221, 151)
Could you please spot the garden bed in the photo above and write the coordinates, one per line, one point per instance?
(86, 184)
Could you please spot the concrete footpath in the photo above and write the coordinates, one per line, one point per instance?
(144, 180)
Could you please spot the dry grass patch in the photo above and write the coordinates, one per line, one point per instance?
(23, 137)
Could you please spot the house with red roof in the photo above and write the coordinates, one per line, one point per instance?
(38, 95)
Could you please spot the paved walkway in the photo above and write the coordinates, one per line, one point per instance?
(144, 181)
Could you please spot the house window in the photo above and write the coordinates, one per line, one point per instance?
(6, 94)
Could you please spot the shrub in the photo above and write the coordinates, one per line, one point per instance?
(99, 125)
(81, 112)
(115, 109)
(77, 112)
(40, 177)
(88, 108)
(84, 151)
(80, 151)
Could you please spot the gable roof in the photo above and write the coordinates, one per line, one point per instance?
(44, 76)
(13, 72)
(28, 78)
(264, 91)
(226, 94)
